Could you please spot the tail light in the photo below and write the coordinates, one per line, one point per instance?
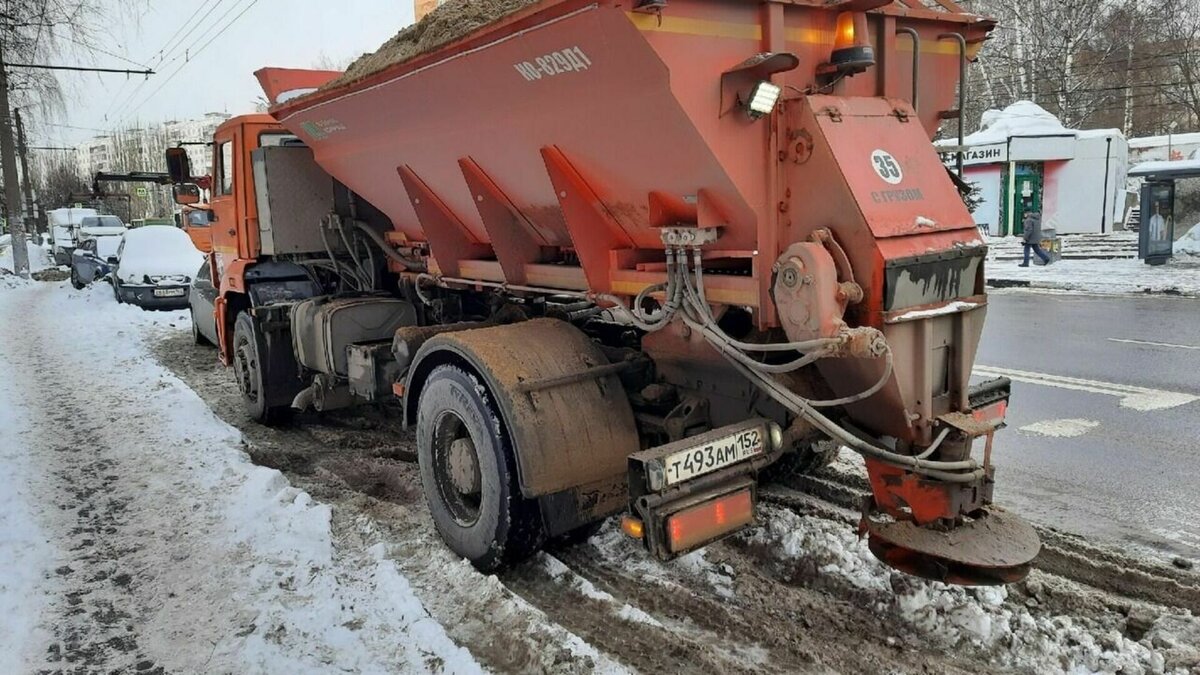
(705, 522)
(852, 50)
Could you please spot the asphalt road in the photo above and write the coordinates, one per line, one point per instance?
(1104, 421)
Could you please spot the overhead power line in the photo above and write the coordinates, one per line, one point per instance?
(162, 53)
(211, 40)
(81, 69)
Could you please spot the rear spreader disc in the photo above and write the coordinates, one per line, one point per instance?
(993, 548)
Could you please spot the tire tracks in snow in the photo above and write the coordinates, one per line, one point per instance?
(612, 607)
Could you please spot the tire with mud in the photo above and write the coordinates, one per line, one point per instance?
(117, 290)
(806, 459)
(249, 363)
(79, 285)
(468, 473)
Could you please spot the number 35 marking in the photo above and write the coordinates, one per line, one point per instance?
(887, 167)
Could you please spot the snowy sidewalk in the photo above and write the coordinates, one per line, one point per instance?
(1178, 277)
(136, 535)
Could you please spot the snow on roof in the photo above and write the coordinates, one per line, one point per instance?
(1023, 118)
(1156, 141)
(1185, 166)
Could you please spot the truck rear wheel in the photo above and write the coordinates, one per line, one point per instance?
(249, 366)
(468, 472)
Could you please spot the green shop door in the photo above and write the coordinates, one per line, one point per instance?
(1026, 181)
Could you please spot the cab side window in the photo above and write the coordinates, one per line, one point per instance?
(225, 168)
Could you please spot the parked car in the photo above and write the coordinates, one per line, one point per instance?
(200, 302)
(89, 260)
(154, 267)
(64, 224)
(97, 239)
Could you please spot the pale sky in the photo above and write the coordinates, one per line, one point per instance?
(291, 33)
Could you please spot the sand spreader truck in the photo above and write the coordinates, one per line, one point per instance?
(623, 256)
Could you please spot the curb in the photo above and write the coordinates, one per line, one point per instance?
(1067, 288)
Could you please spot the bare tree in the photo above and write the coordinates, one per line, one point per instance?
(1090, 62)
(1181, 47)
(61, 181)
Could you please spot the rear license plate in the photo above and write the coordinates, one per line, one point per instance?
(699, 460)
(168, 292)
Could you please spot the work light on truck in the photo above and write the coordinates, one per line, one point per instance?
(762, 99)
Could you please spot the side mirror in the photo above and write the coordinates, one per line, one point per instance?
(185, 194)
(179, 168)
(112, 260)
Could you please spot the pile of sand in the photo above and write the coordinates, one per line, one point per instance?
(448, 22)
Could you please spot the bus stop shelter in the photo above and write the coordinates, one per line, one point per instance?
(1156, 227)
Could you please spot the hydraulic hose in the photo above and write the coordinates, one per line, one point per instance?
(695, 294)
(410, 265)
(934, 469)
(698, 317)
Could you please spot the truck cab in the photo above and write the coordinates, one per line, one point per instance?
(230, 218)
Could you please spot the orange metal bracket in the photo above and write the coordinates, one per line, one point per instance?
(594, 231)
(449, 239)
(514, 239)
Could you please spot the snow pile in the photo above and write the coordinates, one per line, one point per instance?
(1177, 277)
(1189, 243)
(38, 259)
(1023, 118)
(226, 567)
(829, 556)
(24, 551)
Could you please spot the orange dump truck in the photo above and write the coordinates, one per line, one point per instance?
(619, 257)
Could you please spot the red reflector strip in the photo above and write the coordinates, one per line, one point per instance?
(705, 522)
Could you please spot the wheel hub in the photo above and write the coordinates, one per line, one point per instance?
(456, 469)
(246, 370)
(464, 466)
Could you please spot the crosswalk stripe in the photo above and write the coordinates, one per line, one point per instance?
(1142, 399)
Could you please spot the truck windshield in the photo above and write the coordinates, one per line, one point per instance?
(102, 221)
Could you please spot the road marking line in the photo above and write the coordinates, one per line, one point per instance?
(1155, 344)
(1068, 428)
(1137, 398)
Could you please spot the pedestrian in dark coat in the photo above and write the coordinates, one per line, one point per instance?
(1032, 224)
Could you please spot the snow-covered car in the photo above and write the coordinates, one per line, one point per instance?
(154, 266)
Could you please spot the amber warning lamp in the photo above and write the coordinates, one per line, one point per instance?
(852, 50)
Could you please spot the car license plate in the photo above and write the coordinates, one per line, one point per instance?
(168, 292)
(697, 461)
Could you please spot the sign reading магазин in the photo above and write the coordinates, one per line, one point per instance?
(979, 154)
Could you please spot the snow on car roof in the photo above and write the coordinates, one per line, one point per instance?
(158, 250)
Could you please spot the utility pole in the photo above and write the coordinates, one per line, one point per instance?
(8, 171)
(26, 182)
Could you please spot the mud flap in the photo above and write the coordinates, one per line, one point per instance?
(281, 377)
